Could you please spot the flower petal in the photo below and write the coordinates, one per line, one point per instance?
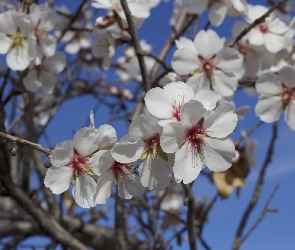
(58, 179)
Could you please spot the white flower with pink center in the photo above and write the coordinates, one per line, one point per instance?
(143, 142)
(272, 33)
(43, 19)
(76, 162)
(200, 140)
(277, 94)
(210, 64)
(171, 99)
(122, 174)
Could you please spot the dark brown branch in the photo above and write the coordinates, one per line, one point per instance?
(138, 51)
(257, 190)
(256, 22)
(191, 213)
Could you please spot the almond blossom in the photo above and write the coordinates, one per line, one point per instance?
(200, 140)
(171, 99)
(17, 39)
(210, 64)
(277, 94)
(143, 142)
(111, 172)
(76, 162)
(43, 19)
(41, 77)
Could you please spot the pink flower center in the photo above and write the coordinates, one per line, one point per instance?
(120, 170)
(243, 48)
(38, 32)
(79, 165)
(263, 27)
(177, 109)
(207, 66)
(195, 135)
(152, 145)
(287, 95)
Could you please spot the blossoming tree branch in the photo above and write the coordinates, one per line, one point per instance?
(181, 118)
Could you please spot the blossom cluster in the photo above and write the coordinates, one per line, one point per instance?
(188, 133)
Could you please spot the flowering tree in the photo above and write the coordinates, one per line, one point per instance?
(182, 120)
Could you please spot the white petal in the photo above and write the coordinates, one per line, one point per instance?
(31, 81)
(274, 43)
(48, 83)
(84, 190)
(269, 108)
(184, 42)
(173, 137)
(288, 75)
(104, 187)
(221, 122)
(256, 37)
(84, 141)
(187, 165)
(5, 43)
(96, 159)
(131, 188)
(191, 113)
(155, 173)
(48, 44)
(58, 179)
(218, 153)
(143, 127)
(208, 98)
(198, 82)
(126, 152)
(185, 61)
(290, 115)
(217, 14)
(62, 154)
(17, 59)
(224, 83)
(55, 63)
(208, 43)
(268, 84)
(106, 136)
(228, 59)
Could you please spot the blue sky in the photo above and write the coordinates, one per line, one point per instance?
(276, 230)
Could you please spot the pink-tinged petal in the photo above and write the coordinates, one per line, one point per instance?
(269, 108)
(185, 61)
(256, 37)
(221, 122)
(269, 84)
(228, 59)
(155, 173)
(288, 75)
(191, 113)
(143, 127)
(126, 152)
(198, 82)
(208, 43)
(17, 59)
(218, 153)
(187, 165)
(173, 137)
(106, 136)
(224, 83)
(131, 188)
(274, 43)
(104, 187)
(84, 190)
(62, 154)
(217, 14)
(208, 98)
(84, 141)
(290, 115)
(58, 179)
(5, 43)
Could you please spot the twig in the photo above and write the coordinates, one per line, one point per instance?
(256, 22)
(25, 142)
(263, 213)
(137, 48)
(190, 218)
(257, 190)
(249, 132)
